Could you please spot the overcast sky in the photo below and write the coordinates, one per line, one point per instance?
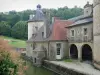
(19, 5)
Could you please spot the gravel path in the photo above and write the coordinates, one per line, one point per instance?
(78, 66)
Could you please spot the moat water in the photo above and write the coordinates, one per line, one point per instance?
(32, 70)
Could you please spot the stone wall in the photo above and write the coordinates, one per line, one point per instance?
(50, 48)
(32, 27)
(29, 50)
(79, 33)
(96, 32)
(64, 52)
(60, 70)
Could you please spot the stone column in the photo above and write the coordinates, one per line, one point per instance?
(96, 33)
(79, 52)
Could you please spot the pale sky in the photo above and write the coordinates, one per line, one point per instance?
(19, 5)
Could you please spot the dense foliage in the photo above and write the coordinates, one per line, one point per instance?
(19, 30)
(5, 29)
(10, 61)
(11, 19)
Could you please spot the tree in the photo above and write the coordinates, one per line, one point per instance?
(4, 28)
(19, 30)
(13, 17)
(24, 15)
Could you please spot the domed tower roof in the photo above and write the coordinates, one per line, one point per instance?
(39, 15)
(39, 6)
(87, 5)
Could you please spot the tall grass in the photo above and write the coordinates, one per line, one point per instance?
(10, 61)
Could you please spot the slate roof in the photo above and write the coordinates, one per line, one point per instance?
(56, 32)
(81, 21)
(76, 18)
(87, 5)
(39, 16)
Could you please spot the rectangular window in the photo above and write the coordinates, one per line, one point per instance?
(34, 46)
(36, 28)
(85, 31)
(42, 34)
(33, 35)
(58, 45)
(72, 33)
(58, 51)
(34, 60)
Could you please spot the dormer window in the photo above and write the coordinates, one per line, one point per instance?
(72, 33)
(33, 35)
(85, 31)
(42, 34)
(34, 46)
(36, 28)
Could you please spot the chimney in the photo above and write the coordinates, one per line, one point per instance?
(31, 17)
(55, 18)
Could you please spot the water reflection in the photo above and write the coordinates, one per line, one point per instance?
(32, 70)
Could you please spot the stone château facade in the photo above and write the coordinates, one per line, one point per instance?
(77, 38)
(80, 35)
(96, 33)
(45, 40)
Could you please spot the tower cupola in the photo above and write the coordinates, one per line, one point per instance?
(38, 6)
(88, 9)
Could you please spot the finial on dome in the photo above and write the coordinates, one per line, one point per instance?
(39, 6)
(87, 5)
(87, 2)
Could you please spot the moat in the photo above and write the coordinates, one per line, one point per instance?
(32, 70)
(60, 67)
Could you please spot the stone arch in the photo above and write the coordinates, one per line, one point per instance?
(73, 51)
(87, 53)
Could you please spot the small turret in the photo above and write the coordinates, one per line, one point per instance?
(88, 9)
(87, 5)
(35, 22)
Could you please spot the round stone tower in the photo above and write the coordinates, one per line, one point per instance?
(96, 32)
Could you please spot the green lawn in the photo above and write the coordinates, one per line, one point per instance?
(68, 60)
(15, 42)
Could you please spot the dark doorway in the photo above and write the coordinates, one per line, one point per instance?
(86, 53)
(34, 60)
(73, 52)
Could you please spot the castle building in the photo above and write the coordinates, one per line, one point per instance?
(80, 35)
(76, 38)
(84, 35)
(46, 41)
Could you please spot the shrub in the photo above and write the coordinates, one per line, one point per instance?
(10, 62)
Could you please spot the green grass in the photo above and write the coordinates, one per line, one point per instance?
(15, 42)
(68, 60)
